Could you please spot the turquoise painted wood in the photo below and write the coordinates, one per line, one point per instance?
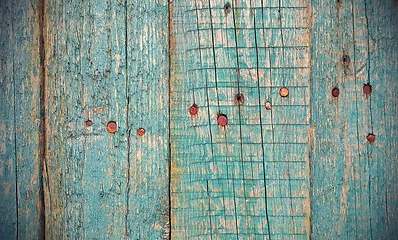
(302, 169)
(86, 81)
(251, 178)
(93, 184)
(21, 174)
(8, 176)
(353, 181)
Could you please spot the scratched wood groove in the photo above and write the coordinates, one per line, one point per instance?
(301, 170)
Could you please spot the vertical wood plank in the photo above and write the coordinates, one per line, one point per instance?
(148, 108)
(249, 179)
(8, 177)
(86, 80)
(350, 176)
(26, 74)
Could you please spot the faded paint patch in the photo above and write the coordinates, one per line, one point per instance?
(3, 136)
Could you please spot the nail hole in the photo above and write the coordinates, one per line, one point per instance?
(345, 60)
(335, 92)
(140, 132)
(283, 92)
(112, 127)
(268, 105)
(222, 120)
(89, 123)
(239, 98)
(371, 138)
(227, 8)
(193, 110)
(367, 89)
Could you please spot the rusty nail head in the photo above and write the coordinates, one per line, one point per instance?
(140, 132)
(346, 60)
(193, 110)
(222, 120)
(335, 92)
(367, 89)
(227, 8)
(371, 138)
(239, 98)
(89, 123)
(283, 92)
(112, 127)
(268, 105)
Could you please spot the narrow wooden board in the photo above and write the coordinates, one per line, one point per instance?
(21, 37)
(249, 179)
(8, 163)
(354, 181)
(148, 97)
(86, 81)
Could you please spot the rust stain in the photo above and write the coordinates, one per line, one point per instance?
(193, 110)
(239, 98)
(222, 120)
(140, 132)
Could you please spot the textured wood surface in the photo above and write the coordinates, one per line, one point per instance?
(103, 61)
(300, 170)
(354, 183)
(21, 193)
(249, 179)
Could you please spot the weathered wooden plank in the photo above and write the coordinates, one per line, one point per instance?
(350, 176)
(249, 179)
(148, 108)
(66, 62)
(27, 74)
(86, 81)
(8, 163)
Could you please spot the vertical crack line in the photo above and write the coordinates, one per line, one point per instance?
(368, 60)
(15, 128)
(126, 232)
(170, 12)
(239, 109)
(261, 121)
(42, 126)
(209, 122)
(357, 121)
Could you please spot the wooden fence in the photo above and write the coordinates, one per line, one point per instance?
(198, 119)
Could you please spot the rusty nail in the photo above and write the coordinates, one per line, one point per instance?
(367, 89)
(89, 123)
(371, 138)
(345, 60)
(140, 132)
(222, 120)
(239, 98)
(283, 92)
(268, 105)
(112, 127)
(335, 92)
(227, 8)
(193, 110)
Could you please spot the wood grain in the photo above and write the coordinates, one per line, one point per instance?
(353, 181)
(106, 185)
(250, 179)
(300, 170)
(21, 155)
(8, 156)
